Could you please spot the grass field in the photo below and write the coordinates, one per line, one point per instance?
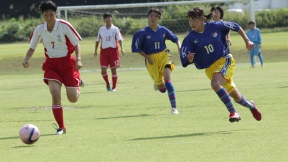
(135, 123)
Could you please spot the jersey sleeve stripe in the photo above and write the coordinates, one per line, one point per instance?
(73, 30)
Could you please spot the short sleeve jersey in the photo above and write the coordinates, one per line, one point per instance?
(208, 45)
(152, 41)
(59, 42)
(109, 37)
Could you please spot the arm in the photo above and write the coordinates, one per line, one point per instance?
(178, 46)
(249, 44)
(260, 39)
(147, 57)
(29, 54)
(121, 46)
(228, 39)
(96, 47)
(78, 56)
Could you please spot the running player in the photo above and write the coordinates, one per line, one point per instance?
(149, 42)
(203, 46)
(109, 55)
(60, 40)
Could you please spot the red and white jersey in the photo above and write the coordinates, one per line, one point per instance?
(60, 42)
(109, 37)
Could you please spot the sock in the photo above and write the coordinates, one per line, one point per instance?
(246, 103)
(58, 115)
(224, 96)
(171, 93)
(105, 77)
(114, 80)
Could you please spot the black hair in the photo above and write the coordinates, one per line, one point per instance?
(106, 15)
(47, 5)
(251, 22)
(219, 9)
(155, 10)
(198, 12)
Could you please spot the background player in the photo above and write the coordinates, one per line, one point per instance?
(60, 40)
(149, 42)
(203, 46)
(109, 55)
(255, 36)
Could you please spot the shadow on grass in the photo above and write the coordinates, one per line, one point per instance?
(127, 116)
(187, 135)
(191, 90)
(8, 138)
(284, 87)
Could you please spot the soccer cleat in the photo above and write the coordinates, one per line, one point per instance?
(174, 111)
(113, 90)
(155, 87)
(82, 83)
(234, 117)
(255, 112)
(108, 87)
(58, 130)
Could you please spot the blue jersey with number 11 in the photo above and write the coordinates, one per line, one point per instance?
(208, 45)
(152, 41)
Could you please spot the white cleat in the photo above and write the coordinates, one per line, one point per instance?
(174, 111)
(60, 131)
(113, 90)
(155, 87)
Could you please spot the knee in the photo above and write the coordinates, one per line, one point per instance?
(215, 85)
(73, 99)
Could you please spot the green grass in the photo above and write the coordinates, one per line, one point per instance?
(135, 123)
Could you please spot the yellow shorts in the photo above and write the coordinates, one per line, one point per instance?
(161, 59)
(225, 65)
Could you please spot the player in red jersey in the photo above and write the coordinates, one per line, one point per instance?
(109, 55)
(60, 40)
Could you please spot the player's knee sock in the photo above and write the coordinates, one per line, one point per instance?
(58, 115)
(224, 96)
(246, 103)
(114, 80)
(105, 77)
(162, 90)
(171, 93)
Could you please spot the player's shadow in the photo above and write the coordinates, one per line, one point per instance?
(8, 138)
(284, 87)
(192, 90)
(126, 116)
(186, 135)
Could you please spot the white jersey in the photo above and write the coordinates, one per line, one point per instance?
(109, 37)
(60, 42)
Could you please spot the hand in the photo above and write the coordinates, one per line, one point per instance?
(259, 46)
(150, 60)
(190, 56)
(25, 64)
(249, 45)
(122, 51)
(229, 42)
(95, 54)
(78, 64)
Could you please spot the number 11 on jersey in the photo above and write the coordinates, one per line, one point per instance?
(157, 45)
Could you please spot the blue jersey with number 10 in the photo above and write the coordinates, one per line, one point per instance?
(152, 41)
(208, 46)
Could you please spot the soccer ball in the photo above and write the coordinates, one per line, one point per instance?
(29, 134)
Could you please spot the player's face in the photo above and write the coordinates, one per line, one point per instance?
(153, 18)
(108, 20)
(196, 24)
(251, 26)
(49, 16)
(216, 15)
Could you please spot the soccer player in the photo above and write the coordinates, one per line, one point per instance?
(217, 15)
(149, 42)
(60, 40)
(203, 46)
(254, 35)
(109, 55)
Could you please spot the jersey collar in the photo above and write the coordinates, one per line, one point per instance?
(55, 26)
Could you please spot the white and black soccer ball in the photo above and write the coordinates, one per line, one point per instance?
(29, 134)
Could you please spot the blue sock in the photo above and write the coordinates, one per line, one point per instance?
(246, 103)
(171, 93)
(225, 98)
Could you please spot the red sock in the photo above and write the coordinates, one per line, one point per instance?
(114, 80)
(105, 77)
(58, 115)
